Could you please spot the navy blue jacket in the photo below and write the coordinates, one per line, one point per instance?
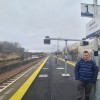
(86, 71)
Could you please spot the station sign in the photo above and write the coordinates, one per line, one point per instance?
(93, 27)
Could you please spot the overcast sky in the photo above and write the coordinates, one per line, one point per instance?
(29, 21)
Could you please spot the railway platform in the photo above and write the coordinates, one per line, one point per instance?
(47, 83)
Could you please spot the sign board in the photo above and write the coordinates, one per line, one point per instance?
(46, 41)
(84, 43)
(87, 10)
(93, 27)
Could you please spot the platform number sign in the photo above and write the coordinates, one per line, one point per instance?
(87, 10)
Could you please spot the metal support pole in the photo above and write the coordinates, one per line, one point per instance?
(57, 50)
(77, 53)
(57, 46)
(66, 58)
(96, 50)
(95, 8)
(97, 86)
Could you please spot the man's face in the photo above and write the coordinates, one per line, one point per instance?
(86, 56)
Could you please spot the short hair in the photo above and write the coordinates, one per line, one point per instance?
(85, 52)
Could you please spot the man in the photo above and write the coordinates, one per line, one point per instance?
(86, 72)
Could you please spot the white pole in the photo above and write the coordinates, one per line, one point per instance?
(95, 8)
(57, 50)
(96, 50)
(66, 58)
(97, 86)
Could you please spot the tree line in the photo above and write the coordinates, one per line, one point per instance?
(10, 47)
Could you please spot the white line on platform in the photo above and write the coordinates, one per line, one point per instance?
(60, 68)
(43, 75)
(45, 68)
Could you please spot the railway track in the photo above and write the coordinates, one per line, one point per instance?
(10, 77)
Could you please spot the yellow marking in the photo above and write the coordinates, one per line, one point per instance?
(22, 90)
(99, 75)
(69, 62)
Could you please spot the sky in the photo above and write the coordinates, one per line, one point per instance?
(29, 21)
